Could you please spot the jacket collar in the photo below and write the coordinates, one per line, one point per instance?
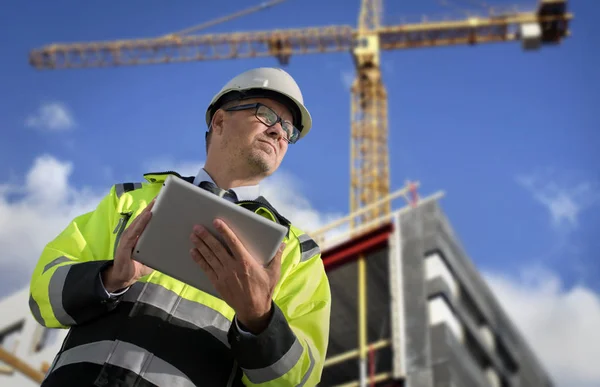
(249, 192)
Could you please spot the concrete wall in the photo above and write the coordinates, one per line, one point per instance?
(455, 332)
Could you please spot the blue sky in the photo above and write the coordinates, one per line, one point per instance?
(511, 136)
(468, 120)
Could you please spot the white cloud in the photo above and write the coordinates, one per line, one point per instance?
(284, 192)
(561, 325)
(32, 212)
(564, 200)
(52, 117)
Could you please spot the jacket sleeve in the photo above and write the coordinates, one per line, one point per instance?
(65, 286)
(291, 350)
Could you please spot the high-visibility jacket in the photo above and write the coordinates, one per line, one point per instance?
(166, 333)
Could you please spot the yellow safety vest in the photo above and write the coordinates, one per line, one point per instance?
(166, 333)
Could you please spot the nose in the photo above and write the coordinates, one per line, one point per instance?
(276, 131)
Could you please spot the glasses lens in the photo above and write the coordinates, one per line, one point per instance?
(266, 115)
(270, 118)
(291, 131)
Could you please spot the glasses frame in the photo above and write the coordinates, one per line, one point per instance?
(295, 132)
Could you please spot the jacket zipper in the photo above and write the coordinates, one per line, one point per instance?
(120, 228)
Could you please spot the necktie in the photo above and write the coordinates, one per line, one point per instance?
(225, 194)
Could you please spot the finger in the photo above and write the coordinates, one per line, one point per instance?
(146, 210)
(140, 222)
(140, 217)
(275, 263)
(213, 243)
(150, 205)
(232, 241)
(133, 232)
(144, 270)
(205, 266)
(206, 252)
(147, 216)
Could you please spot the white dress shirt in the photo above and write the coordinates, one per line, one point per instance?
(249, 192)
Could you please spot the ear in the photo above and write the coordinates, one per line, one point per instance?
(218, 121)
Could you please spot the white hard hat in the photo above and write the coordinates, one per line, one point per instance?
(265, 82)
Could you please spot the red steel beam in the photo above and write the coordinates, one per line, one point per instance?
(362, 244)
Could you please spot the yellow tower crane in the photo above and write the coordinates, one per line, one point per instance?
(369, 170)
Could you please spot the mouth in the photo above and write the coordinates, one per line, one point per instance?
(271, 145)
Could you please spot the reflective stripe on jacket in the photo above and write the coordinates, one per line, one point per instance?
(163, 332)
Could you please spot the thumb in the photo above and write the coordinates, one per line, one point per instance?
(276, 261)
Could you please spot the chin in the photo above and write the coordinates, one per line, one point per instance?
(261, 164)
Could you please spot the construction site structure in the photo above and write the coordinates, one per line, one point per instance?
(420, 315)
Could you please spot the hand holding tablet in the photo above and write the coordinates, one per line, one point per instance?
(238, 277)
(166, 242)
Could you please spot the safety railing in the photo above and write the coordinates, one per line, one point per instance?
(341, 229)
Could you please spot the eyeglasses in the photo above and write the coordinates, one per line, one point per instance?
(267, 116)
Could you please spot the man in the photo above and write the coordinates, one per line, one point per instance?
(131, 326)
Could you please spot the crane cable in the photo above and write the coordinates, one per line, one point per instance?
(222, 19)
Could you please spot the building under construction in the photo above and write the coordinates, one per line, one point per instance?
(409, 308)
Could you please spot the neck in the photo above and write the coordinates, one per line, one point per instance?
(228, 177)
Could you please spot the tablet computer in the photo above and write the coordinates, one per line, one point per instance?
(164, 244)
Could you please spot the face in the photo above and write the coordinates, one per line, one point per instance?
(248, 143)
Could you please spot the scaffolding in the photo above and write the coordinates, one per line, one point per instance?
(358, 256)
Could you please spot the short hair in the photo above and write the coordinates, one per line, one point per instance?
(224, 105)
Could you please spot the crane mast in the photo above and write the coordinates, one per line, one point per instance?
(369, 160)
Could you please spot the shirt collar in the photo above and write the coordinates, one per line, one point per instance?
(247, 192)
